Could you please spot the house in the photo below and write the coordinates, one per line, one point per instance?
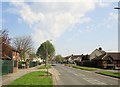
(72, 58)
(111, 60)
(10, 56)
(102, 59)
(96, 53)
(67, 59)
(77, 59)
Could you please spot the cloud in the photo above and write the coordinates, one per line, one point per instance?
(27, 14)
(110, 21)
(103, 3)
(49, 20)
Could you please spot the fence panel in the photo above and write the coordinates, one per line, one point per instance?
(32, 64)
(7, 66)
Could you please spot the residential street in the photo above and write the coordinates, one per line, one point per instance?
(72, 76)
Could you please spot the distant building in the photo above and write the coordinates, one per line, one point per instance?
(98, 58)
(77, 59)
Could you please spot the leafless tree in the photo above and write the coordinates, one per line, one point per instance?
(23, 44)
(5, 36)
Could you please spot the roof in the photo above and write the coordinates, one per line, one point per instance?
(113, 55)
(67, 57)
(76, 56)
(99, 50)
(6, 58)
(102, 51)
(99, 57)
(8, 46)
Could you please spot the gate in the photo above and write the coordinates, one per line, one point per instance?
(7, 66)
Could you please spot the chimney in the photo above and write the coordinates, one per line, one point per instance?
(100, 48)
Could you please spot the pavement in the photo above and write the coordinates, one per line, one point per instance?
(7, 79)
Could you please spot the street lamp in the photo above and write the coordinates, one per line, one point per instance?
(46, 49)
(117, 8)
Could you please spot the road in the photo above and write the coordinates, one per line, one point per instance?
(72, 76)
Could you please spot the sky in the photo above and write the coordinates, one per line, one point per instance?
(74, 26)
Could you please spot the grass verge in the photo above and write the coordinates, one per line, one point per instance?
(44, 67)
(85, 68)
(108, 73)
(34, 78)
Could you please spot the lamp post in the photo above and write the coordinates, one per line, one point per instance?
(0, 47)
(46, 49)
(117, 8)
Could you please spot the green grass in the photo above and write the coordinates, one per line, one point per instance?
(70, 65)
(34, 78)
(112, 74)
(44, 67)
(85, 68)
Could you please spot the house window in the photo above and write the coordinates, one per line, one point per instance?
(110, 61)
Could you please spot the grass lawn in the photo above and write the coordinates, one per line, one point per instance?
(85, 68)
(34, 78)
(112, 74)
(44, 67)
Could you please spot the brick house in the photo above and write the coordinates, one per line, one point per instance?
(102, 59)
(111, 60)
(9, 53)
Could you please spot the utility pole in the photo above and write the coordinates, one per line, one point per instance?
(1, 60)
(118, 8)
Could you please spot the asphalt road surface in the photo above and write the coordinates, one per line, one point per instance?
(72, 76)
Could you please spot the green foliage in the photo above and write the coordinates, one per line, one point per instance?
(45, 50)
(32, 55)
(59, 58)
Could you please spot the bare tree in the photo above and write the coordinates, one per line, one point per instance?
(23, 44)
(5, 36)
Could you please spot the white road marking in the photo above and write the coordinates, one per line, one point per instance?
(75, 74)
(81, 75)
(94, 81)
(88, 71)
